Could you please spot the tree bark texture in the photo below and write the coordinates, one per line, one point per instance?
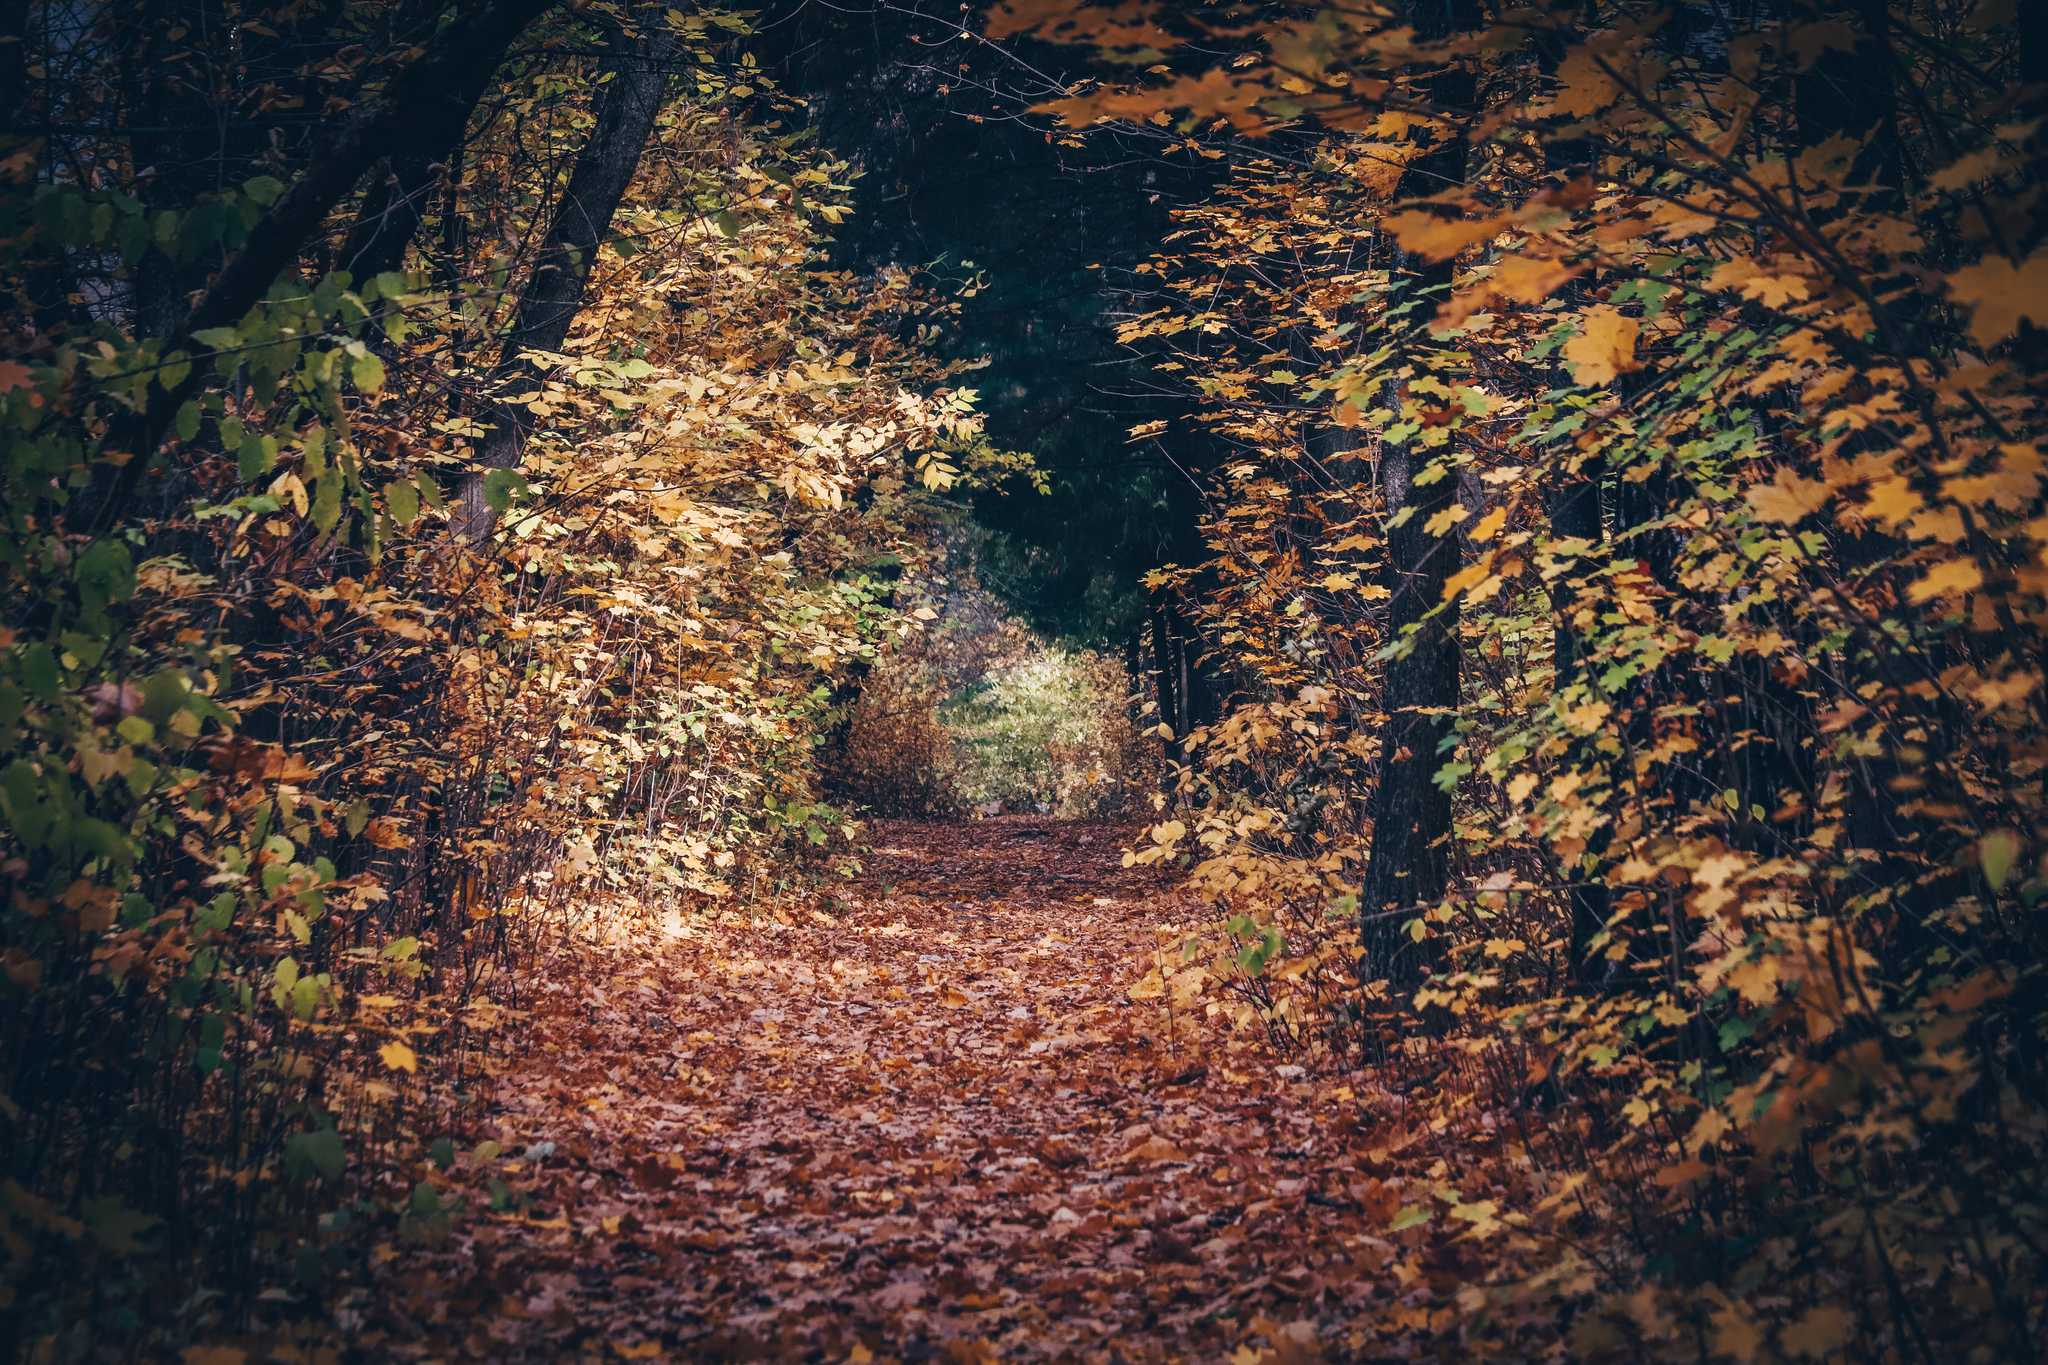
(1409, 864)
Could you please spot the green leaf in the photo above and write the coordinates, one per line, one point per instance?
(135, 730)
(39, 671)
(220, 914)
(430, 491)
(106, 574)
(500, 486)
(263, 189)
(85, 648)
(727, 224)
(163, 696)
(256, 458)
(188, 420)
(442, 1152)
(327, 499)
(368, 373)
(403, 500)
(1411, 1217)
(320, 1154)
(1996, 853)
(358, 816)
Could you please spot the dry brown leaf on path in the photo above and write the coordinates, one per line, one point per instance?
(930, 1126)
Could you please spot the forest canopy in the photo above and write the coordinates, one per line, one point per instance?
(480, 478)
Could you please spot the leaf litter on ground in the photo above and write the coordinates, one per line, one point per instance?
(927, 1123)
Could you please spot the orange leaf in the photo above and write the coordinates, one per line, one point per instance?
(1605, 346)
(1155, 1149)
(399, 1057)
(1437, 238)
(1954, 576)
(1999, 294)
(1788, 497)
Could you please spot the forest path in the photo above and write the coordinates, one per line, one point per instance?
(932, 1126)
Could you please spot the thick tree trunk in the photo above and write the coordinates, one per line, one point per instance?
(632, 98)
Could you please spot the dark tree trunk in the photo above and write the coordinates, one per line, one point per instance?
(1574, 511)
(604, 169)
(1410, 860)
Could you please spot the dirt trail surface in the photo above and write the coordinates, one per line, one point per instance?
(931, 1126)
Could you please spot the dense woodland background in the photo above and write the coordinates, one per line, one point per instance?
(1537, 509)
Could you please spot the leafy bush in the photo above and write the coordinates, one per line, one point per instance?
(978, 714)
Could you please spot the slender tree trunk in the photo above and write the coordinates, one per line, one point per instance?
(632, 98)
(429, 99)
(1574, 512)
(1410, 860)
(1409, 864)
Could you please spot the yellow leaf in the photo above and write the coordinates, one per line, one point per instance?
(1520, 785)
(1605, 346)
(1999, 294)
(290, 491)
(1490, 524)
(1708, 1127)
(1444, 520)
(1439, 239)
(1891, 501)
(1820, 1333)
(1788, 497)
(399, 1057)
(1466, 577)
(1583, 88)
(955, 998)
(1752, 279)
(1954, 576)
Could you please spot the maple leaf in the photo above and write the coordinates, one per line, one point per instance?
(1949, 577)
(1437, 238)
(1999, 294)
(1892, 501)
(1604, 347)
(1444, 520)
(1788, 498)
(399, 1057)
(1820, 1333)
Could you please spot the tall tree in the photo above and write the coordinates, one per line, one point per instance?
(633, 76)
